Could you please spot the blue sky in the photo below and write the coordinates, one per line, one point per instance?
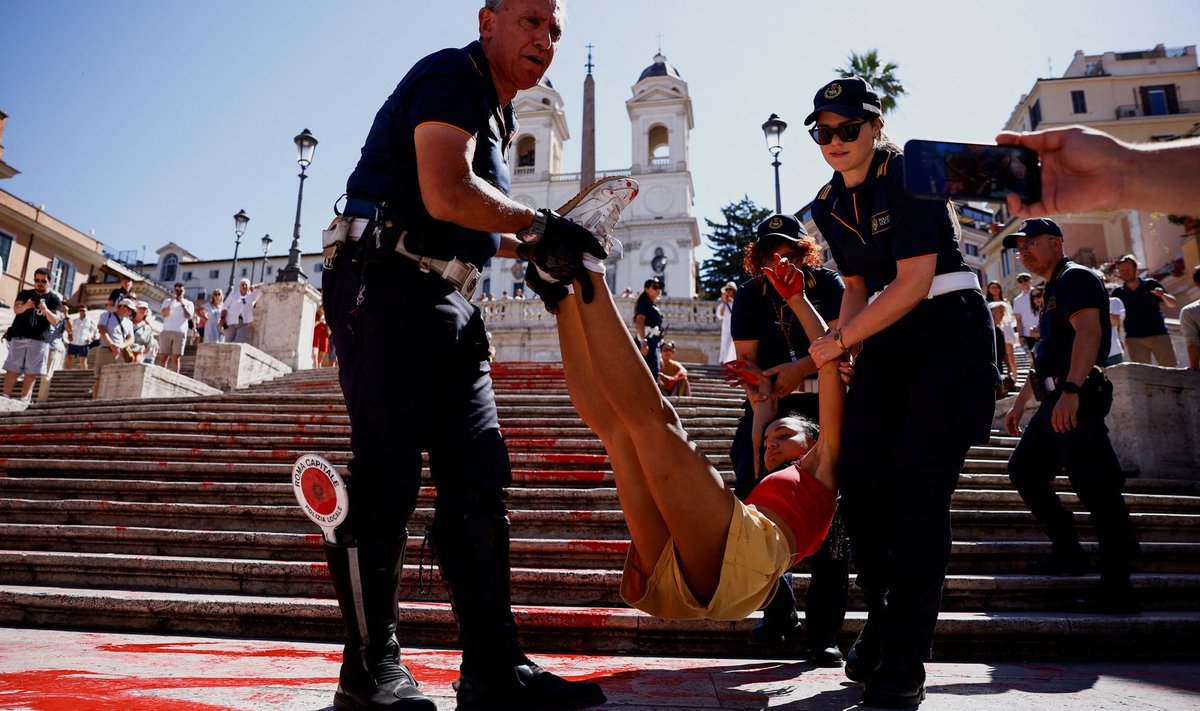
(151, 121)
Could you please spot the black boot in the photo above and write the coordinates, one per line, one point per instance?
(864, 658)
(779, 621)
(472, 553)
(899, 685)
(367, 581)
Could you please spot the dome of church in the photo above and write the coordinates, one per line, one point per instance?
(660, 68)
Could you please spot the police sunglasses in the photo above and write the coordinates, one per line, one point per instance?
(848, 132)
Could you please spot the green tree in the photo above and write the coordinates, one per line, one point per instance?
(728, 242)
(882, 78)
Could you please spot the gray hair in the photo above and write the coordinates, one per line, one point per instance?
(493, 5)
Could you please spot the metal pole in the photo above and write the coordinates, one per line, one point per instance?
(233, 269)
(778, 202)
(292, 271)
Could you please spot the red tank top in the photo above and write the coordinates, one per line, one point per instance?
(802, 502)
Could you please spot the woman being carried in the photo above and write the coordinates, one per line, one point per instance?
(696, 550)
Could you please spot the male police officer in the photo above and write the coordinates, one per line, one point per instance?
(1068, 430)
(426, 204)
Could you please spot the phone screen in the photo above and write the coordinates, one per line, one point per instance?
(969, 171)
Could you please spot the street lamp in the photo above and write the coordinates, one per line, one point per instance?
(773, 129)
(266, 243)
(306, 143)
(240, 220)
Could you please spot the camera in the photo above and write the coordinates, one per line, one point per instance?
(944, 170)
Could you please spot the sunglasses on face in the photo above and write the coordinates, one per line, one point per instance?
(848, 132)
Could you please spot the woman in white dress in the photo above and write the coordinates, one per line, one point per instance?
(725, 314)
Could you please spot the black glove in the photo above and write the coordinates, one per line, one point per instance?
(549, 293)
(560, 249)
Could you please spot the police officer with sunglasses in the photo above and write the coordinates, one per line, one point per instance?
(923, 390)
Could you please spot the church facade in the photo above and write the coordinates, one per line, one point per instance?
(658, 233)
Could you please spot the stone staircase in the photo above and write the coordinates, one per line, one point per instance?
(177, 515)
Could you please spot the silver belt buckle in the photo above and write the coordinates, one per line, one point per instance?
(1048, 383)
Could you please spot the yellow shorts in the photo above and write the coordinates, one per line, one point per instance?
(756, 554)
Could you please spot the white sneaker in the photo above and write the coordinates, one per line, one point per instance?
(598, 207)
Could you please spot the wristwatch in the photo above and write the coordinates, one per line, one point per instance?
(1069, 387)
(534, 231)
(837, 338)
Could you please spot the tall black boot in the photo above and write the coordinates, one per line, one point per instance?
(864, 658)
(472, 553)
(367, 580)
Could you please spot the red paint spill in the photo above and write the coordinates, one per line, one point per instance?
(71, 690)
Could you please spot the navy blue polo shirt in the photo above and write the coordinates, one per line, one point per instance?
(453, 87)
(760, 314)
(872, 226)
(1071, 289)
(1143, 315)
(654, 318)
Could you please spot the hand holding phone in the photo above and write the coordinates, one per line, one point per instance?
(944, 170)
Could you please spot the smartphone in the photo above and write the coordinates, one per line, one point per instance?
(943, 170)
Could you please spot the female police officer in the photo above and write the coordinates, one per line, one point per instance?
(923, 385)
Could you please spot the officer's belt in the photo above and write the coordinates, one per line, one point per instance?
(1051, 384)
(463, 276)
(944, 284)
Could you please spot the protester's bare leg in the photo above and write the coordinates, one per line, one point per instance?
(647, 529)
(689, 494)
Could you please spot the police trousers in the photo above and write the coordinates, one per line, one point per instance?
(923, 392)
(1086, 456)
(414, 372)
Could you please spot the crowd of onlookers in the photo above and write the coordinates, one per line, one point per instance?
(47, 335)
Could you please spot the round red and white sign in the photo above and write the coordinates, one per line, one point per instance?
(320, 491)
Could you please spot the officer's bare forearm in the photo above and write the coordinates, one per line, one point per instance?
(912, 282)
(854, 299)
(450, 189)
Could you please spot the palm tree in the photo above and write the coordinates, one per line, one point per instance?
(883, 79)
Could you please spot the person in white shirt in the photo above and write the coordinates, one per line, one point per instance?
(1116, 314)
(1023, 311)
(239, 312)
(177, 313)
(83, 332)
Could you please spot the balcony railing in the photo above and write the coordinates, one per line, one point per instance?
(680, 315)
(1126, 111)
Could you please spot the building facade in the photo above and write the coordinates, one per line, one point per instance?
(201, 276)
(31, 238)
(1142, 96)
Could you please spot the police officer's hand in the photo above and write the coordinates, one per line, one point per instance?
(1063, 417)
(825, 349)
(550, 294)
(1012, 420)
(559, 252)
(788, 376)
(581, 238)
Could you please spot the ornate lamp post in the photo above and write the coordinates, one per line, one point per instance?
(306, 143)
(266, 243)
(240, 220)
(773, 129)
